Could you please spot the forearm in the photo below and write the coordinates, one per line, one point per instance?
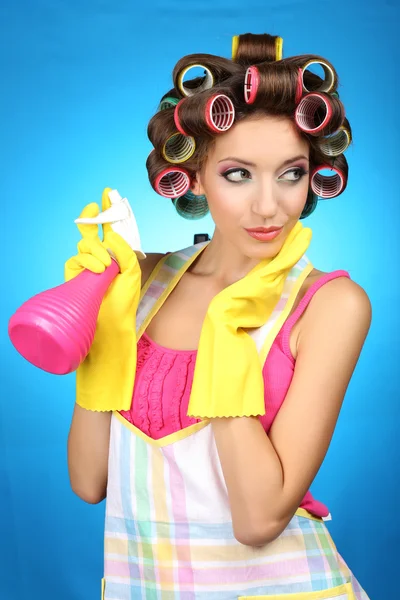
(253, 474)
(88, 447)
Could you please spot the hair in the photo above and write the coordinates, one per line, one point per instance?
(181, 134)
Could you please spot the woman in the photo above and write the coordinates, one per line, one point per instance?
(244, 349)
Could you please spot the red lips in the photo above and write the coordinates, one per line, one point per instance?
(263, 229)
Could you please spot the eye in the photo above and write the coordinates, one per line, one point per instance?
(236, 175)
(294, 174)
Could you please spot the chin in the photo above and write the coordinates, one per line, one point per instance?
(261, 250)
(262, 253)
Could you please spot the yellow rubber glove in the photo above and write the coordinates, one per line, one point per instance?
(228, 379)
(104, 380)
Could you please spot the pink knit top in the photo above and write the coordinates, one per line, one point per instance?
(164, 379)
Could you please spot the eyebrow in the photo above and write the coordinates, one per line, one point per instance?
(250, 164)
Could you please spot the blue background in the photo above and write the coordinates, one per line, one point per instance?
(79, 83)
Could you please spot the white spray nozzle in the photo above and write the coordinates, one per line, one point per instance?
(122, 220)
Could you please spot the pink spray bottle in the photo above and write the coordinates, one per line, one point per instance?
(55, 329)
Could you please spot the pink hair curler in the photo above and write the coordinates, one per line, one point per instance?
(251, 84)
(327, 186)
(308, 111)
(177, 119)
(219, 113)
(299, 89)
(54, 330)
(172, 182)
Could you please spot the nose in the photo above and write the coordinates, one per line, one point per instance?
(265, 202)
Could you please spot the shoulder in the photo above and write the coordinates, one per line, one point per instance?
(340, 309)
(335, 294)
(339, 295)
(148, 264)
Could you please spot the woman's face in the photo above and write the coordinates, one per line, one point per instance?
(256, 175)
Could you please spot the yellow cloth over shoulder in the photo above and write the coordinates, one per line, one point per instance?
(104, 380)
(228, 378)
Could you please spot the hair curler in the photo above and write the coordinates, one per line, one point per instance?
(299, 87)
(328, 84)
(178, 148)
(167, 102)
(327, 186)
(207, 83)
(54, 330)
(313, 113)
(190, 206)
(336, 143)
(219, 113)
(177, 120)
(251, 83)
(310, 205)
(172, 182)
(278, 48)
(235, 46)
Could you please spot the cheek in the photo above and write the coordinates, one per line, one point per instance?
(225, 205)
(226, 212)
(295, 200)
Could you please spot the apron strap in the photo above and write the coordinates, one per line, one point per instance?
(162, 281)
(169, 270)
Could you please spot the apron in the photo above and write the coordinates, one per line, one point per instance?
(168, 526)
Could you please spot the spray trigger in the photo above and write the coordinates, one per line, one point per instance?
(122, 220)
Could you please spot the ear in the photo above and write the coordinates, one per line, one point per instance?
(196, 186)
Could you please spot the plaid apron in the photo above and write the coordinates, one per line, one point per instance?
(168, 529)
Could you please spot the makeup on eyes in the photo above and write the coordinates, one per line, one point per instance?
(237, 164)
(240, 170)
(300, 170)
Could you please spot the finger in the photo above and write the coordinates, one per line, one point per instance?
(85, 261)
(96, 249)
(71, 268)
(86, 230)
(105, 204)
(92, 263)
(122, 250)
(78, 263)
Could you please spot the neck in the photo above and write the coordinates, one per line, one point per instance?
(223, 261)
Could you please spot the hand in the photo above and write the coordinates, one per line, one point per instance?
(105, 378)
(93, 254)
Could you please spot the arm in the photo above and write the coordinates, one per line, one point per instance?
(268, 476)
(89, 436)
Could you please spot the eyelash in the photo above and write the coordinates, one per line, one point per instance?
(301, 171)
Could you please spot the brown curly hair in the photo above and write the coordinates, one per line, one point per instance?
(181, 117)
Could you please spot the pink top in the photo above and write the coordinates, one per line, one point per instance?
(164, 379)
